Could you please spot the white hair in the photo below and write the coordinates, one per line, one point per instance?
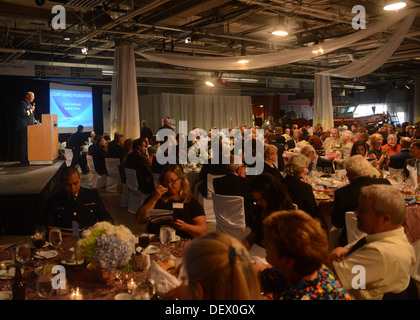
(359, 166)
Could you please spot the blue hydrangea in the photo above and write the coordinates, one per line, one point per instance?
(111, 253)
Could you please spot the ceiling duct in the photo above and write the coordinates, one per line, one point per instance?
(84, 4)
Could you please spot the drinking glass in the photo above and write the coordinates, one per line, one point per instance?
(44, 286)
(144, 241)
(165, 237)
(142, 292)
(7, 260)
(55, 237)
(23, 253)
(38, 239)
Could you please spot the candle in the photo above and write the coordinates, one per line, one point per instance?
(76, 294)
(131, 286)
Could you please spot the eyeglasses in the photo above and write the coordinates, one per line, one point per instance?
(171, 181)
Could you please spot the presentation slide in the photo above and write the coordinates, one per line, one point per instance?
(73, 106)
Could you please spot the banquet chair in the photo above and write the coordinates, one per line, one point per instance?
(229, 212)
(69, 156)
(125, 191)
(113, 176)
(207, 202)
(135, 196)
(353, 233)
(96, 180)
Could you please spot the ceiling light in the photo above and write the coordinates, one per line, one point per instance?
(85, 50)
(188, 40)
(243, 61)
(394, 5)
(280, 29)
(210, 84)
(66, 39)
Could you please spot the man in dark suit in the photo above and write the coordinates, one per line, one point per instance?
(294, 141)
(145, 131)
(235, 183)
(316, 161)
(76, 143)
(397, 161)
(143, 171)
(115, 147)
(75, 203)
(359, 173)
(24, 119)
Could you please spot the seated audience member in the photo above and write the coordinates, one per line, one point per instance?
(294, 141)
(270, 195)
(315, 141)
(397, 161)
(359, 147)
(385, 253)
(274, 139)
(270, 158)
(392, 145)
(334, 142)
(218, 267)
(174, 188)
(128, 148)
(74, 203)
(300, 191)
(235, 183)
(98, 153)
(286, 134)
(304, 136)
(315, 160)
(143, 172)
(116, 146)
(297, 247)
(347, 138)
(376, 152)
(414, 161)
(360, 174)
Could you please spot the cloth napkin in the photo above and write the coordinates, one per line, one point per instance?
(413, 175)
(163, 280)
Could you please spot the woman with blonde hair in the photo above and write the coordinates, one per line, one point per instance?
(297, 248)
(300, 191)
(270, 158)
(218, 267)
(174, 189)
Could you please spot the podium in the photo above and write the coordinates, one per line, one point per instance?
(43, 141)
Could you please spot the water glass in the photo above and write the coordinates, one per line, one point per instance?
(7, 259)
(55, 237)
(23, 253)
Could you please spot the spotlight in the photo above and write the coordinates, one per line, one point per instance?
(188, 40)
(210, 84)
(85, 50)
(394, 5)
(280, 29)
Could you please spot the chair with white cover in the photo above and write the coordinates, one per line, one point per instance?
(353, 232)
(125, 191)
(69, 156)
(207, 202)
(135, 196)
(113, 174)
(230, 215)
(96, 180)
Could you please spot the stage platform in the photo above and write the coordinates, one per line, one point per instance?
(23, 192)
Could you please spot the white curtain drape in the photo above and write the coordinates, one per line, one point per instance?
(323, 111)
(202, 111)
(276, 58)
(124, 116)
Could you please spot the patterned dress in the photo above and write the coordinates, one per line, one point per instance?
(324, 287)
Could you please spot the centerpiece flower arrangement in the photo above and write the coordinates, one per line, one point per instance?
(108, 247)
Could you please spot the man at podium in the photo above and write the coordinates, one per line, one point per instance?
(25, 118)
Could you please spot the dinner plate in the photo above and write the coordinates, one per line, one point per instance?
(148, 250)
(5, 295)
(72, 263)
(7, 275)
(46, 254)
(123, 296)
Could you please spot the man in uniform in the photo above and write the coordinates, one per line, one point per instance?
(75, 203)
(24, 119)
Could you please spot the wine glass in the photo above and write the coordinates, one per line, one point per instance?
(44, 285)
(55, 237)
(6, 260)
(144, 241)
(23, 253)
(39, 239)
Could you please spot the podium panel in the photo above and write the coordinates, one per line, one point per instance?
(43, 141)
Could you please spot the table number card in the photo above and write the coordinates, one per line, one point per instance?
(75, 229)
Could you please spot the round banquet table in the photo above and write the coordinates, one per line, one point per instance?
(77, 277)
